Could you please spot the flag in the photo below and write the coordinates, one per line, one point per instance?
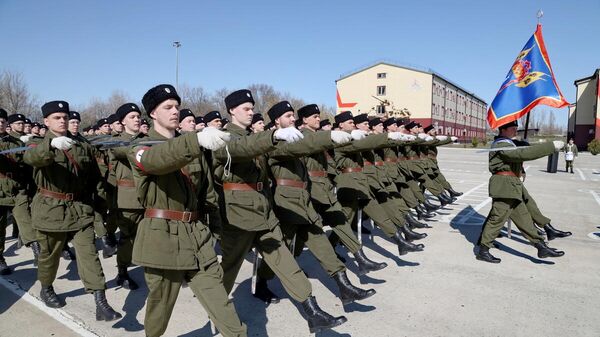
(529, 82)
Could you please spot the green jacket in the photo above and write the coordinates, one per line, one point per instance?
(571, 148)
(13, 170)
(292, 204)
(507, 186)
(72, 171)
(126, 197)
(161, 184)
(247, 210)
(321, 188)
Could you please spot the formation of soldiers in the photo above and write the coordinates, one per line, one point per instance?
(162, 197)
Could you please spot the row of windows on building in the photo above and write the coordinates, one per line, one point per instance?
(453, 96)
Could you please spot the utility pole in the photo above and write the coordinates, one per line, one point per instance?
(177, 44)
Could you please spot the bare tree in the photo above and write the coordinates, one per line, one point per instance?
(196, 99)
(15, 96)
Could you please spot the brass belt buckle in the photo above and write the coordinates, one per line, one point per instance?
(187, 216)
(69, 196)
(259, 186)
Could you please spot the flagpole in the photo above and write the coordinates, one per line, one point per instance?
(539, 15)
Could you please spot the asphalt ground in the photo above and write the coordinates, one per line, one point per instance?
(442, 291)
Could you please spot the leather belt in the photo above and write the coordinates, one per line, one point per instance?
(379, 163)
(413, 158)
(57, 195)
(351, 169)
(507, 173)
(8, 175)
(243, 187)
(317, 173)
(367, 163)
(291, 183)
(390, 160)
(125, 183)
(185, 216)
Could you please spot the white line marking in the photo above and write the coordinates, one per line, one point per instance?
(471, 191)
(595, 195)
(58, 314)
(580, 174)
(593, 235)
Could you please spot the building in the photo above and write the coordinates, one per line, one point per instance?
(386, 89)
(584, 118)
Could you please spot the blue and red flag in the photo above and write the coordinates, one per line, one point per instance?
(529, 82)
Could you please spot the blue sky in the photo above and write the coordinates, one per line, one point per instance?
(77, 50)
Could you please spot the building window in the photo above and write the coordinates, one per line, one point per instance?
(381, 75)
(380, 109)
(381, 90)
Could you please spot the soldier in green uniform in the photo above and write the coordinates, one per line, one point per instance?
(258, 123)
(293, 206)
(129, 211)
(173, 244)
(323, 197)
(66, 175)
(570, 154)
(431, 153)
(246, 206)
(187, 121)
(506, 191)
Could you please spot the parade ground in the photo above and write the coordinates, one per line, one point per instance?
(442, 291)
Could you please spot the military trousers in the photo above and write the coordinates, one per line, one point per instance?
(394, 207)
(207, 285)
(537, 216)
(374, 210)
(341, 224)
(441, 179)
(235, 244)
(22, 217)
(502, 210)
(127, 221)
(88, 263)
(569, 165)
(407, 194)
(3, 223)
(413, 184)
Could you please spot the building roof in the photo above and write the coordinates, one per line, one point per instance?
(587, 78)
(411, 68)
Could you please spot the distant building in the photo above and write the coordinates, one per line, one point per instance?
(386, 89)
(584, 118)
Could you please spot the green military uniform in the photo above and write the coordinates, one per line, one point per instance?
(506, 190)
(62, 208)
(570, 150)
(248, 220)
(177, 247)
(407, 166)
(436, 175)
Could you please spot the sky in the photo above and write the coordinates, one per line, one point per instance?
(80, 49)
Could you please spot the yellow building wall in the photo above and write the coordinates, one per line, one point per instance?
(586, 100)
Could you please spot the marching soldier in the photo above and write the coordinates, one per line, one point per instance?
(213, 119)
(173, 244)
(258, 123)
(431, 153)
(506, 191)
(144, 126)
(66, 175)
(187, 121)
(200, 123)
(248, 219)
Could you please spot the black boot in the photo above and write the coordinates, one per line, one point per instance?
(15, 232)
(263, 292)
(365, 265)
(49, 297)
(348, 292)
(4, 268)
(67, 254)
(319, 320)
(545, 251)
(124, 280)
(110, 245)
(104, 312)
(453, 193)
(444, 200)
(410, 235)
(554, 233)
(35, 248)
(449, 197)
(414, 222)
(484, 255)
(404, 246)
(430, 207)
(422, 213)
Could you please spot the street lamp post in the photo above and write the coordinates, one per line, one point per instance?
(177, 44)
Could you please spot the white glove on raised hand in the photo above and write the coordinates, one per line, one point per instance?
(428, 138)
(25, 138)
(289, 134)
(62, 143)
(408, 137)
(558, 144)
(441, 137)
(422, 136)
(358, 134)
(340, 137)
(395, 136)
(454, 138)
(212, 138)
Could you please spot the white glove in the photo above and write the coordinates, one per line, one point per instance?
(340, 137)
(454, 138)
(62, 143)
(212, 138)
(428, 138)
(408, 137)
(25, 138)
(422, 136)
(289, 134)
(558, 144)
(441, 138)
(358, 134)
(395, 136)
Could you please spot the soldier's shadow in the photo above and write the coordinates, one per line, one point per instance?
(251, 311)
(134, 302)
(468, 223)
(523, 255)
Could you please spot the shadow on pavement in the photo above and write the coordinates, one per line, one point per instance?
(134, 302)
